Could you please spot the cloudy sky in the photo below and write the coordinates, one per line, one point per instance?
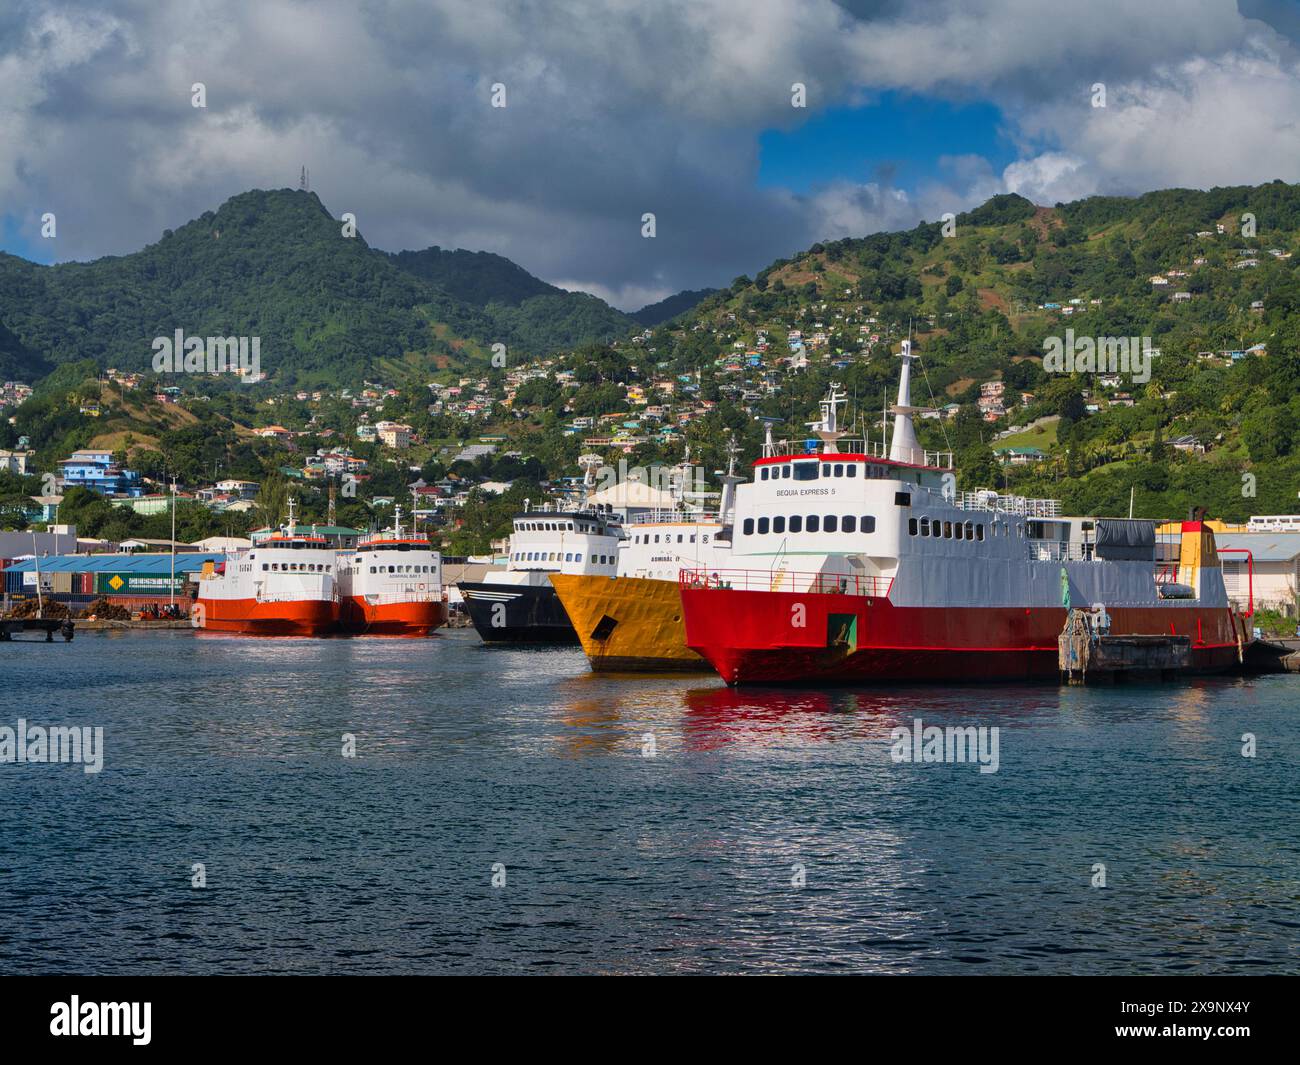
(615, 108)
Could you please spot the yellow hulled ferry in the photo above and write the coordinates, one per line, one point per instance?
(632, 622)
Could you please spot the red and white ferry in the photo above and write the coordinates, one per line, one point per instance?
(282, 586)
(391, 585)
(852, 564)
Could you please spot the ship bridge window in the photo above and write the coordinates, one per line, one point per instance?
(851, 470)
(814, 523)
(831, 523)
(778, 525)
(762, 526)
(850, 523)
(785, 472)
(749, 527)
(806, 471)
(839, 469)
(796, 523)
(762, 474)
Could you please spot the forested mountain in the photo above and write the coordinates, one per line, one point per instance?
(527, 312)
(653, 314)
(274, 264)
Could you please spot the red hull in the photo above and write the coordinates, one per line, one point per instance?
(306, 617)
(391, 619)
(775, 637)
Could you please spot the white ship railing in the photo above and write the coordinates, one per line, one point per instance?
(665, 516)
(988, 501)
(1009, 504)
(422, 595)
(1058, 551)
(782, 580)
(297, 597)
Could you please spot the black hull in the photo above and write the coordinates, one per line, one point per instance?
(504, 613)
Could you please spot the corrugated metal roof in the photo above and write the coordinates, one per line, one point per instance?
(1264, 547)
(142, 563)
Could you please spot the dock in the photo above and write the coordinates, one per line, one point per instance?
(1089, 654)
(9, 628)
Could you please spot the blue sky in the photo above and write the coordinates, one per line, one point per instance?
(899, 139)
(13, 240)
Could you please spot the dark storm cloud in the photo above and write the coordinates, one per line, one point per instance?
(614, 109)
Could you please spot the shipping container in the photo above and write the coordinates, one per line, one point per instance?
(138, 584)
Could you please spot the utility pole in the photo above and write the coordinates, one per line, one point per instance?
(172, 583)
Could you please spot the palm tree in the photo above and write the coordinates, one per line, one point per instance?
(272, 502)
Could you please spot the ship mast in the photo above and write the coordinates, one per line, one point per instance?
(904, 446)
(828, 428)
(589, 464)
(727, 507)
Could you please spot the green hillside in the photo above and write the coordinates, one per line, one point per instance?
(981, 300)
(274, 264)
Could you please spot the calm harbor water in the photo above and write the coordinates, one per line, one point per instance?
(227, 751)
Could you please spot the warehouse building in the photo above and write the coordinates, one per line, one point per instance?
(132, 581)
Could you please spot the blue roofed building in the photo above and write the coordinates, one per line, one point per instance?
(96, 470)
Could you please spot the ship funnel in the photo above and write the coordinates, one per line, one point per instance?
(904, 447)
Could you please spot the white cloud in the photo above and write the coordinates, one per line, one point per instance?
(1053, 177)
(614, 109)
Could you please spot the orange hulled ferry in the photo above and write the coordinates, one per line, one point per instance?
(391, 585)
(285, 585)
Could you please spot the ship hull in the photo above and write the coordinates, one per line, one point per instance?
(510, 613)
(628, 624)
(410, 619)
(784, 637)
(305, 617)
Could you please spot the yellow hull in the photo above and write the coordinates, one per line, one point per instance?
(628, 624)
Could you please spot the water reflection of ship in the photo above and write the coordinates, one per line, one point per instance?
(592, 726)
(797, 716)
